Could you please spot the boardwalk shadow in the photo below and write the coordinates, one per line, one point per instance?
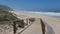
(49, 29)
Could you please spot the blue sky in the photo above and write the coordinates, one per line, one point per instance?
(32, 5)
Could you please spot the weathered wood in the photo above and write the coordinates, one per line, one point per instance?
(32, 19)
(21, 24)
(27, 21)
(14, 27)
(42, 26)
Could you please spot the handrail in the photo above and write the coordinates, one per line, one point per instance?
(42, 26)
(14, 26)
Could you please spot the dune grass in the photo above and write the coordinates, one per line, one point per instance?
(6, 16)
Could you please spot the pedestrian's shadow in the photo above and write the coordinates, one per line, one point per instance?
(49, 29)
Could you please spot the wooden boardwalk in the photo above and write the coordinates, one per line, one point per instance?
(35, 28)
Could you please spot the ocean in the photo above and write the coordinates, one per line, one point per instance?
(51, 14)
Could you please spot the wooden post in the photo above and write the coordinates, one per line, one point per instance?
(42, 26)
(27, 21)
(14, 27)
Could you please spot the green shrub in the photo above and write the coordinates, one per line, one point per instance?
(6, 16)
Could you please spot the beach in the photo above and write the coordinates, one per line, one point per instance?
(52, 25)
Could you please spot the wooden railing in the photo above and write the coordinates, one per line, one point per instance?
(15, 28)
(29, 20)
(42, 26)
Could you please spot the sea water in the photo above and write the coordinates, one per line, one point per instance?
(51, 14)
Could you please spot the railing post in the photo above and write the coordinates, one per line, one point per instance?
(42, 26)
(14, 27)
(27, 21)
